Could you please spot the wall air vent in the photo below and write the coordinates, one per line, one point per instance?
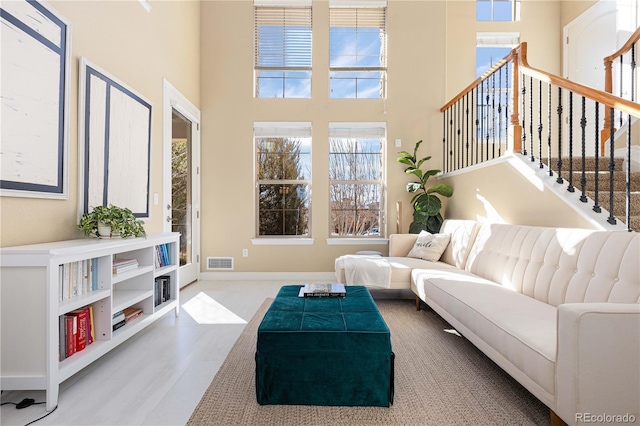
(220, 263)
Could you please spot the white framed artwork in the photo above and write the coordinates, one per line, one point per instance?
(34, 94)
(114, 143)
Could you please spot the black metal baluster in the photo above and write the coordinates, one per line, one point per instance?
(506, 107)
(621, 83)
(467, 128)
(539, 126)
(455, 164)
(612, 165)
(570, 188)
(444, 141)
(477, 123)
(500, 112)
(583, 176)
(450, 143)
(481, 135)
(559, 109)
(549, 134)
(523, 93)
(596, 196)
(493, 116)
(487, 130)
(530, 118)
(628, 177)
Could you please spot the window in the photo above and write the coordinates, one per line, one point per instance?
(357, 50)
(491, 47)
(497, 10)
(356, 179)
(282, 57)
(283, 178)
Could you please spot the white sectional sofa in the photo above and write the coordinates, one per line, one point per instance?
(557, 309)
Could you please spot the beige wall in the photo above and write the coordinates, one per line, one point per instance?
(206, 51)
(139, 49)
(500, 193)
(416, 68)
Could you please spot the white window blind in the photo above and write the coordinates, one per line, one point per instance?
(300, 129)
(361, 25)
(357, 130)
(283, 38)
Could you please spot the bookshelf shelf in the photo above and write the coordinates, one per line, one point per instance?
(66, 281)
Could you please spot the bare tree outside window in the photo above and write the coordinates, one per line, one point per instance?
(283, 188)
(355, 175)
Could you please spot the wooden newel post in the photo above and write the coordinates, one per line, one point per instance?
(515, 121)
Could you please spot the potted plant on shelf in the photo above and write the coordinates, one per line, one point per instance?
(426, 205)
(111, 222)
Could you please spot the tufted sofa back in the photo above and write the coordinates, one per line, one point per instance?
(559, 265)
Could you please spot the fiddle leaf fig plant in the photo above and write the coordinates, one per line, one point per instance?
(120, 222)
(426, 204)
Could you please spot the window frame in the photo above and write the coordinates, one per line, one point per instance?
(359, 130)
(339, 10)
(292, 130)
(295, 61)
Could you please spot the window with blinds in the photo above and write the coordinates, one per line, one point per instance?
(356, 179)
(283, 178)
(282, 64)
(357, 50)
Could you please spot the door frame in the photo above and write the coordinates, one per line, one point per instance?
(174, 100)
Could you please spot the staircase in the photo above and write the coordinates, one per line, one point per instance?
(619, 186)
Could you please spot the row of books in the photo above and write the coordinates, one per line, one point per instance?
(121, 265)
(77, 331)
(77, 278)
(162, 255)
(125, 316)
(162, 289)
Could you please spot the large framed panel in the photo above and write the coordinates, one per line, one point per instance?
(115, 143)
(35, 45)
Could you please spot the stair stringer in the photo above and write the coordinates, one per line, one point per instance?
(538, 178)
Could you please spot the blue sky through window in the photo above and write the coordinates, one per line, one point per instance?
(496, 10)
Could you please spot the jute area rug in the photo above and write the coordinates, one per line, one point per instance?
(440, 379)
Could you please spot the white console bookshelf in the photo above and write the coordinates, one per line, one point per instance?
(31, 304)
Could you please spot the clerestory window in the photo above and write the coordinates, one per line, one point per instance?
(282, 49)
(357, 49)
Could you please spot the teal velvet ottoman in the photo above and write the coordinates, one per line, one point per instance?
(324, 351)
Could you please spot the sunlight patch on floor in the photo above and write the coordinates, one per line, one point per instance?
(205, 310)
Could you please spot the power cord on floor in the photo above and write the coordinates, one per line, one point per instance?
(28, 402)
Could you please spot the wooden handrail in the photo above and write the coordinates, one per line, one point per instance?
(635, 37)
(519, 56)
(608, 79)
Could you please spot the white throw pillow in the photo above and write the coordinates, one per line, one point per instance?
(429, 246)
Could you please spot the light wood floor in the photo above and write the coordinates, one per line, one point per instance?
(159, 376)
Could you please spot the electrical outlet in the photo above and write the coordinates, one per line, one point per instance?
(245, 252)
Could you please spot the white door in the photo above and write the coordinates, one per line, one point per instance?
(181, 178)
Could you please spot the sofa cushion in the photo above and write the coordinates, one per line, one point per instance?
(520, 328)
(429, 246)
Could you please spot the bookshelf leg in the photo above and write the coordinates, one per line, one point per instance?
(177, 310)
(52, 398)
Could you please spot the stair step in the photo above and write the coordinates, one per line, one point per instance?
(619, 183)
(619, 200)
(589, 164)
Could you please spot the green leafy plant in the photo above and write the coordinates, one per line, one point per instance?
(426, 205)
(121, 220)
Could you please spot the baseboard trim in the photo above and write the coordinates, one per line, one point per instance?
(268, 276)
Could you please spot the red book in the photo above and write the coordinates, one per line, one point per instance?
(72, 331)
(82, 321)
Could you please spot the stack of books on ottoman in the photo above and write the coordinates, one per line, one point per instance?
(322, 290)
